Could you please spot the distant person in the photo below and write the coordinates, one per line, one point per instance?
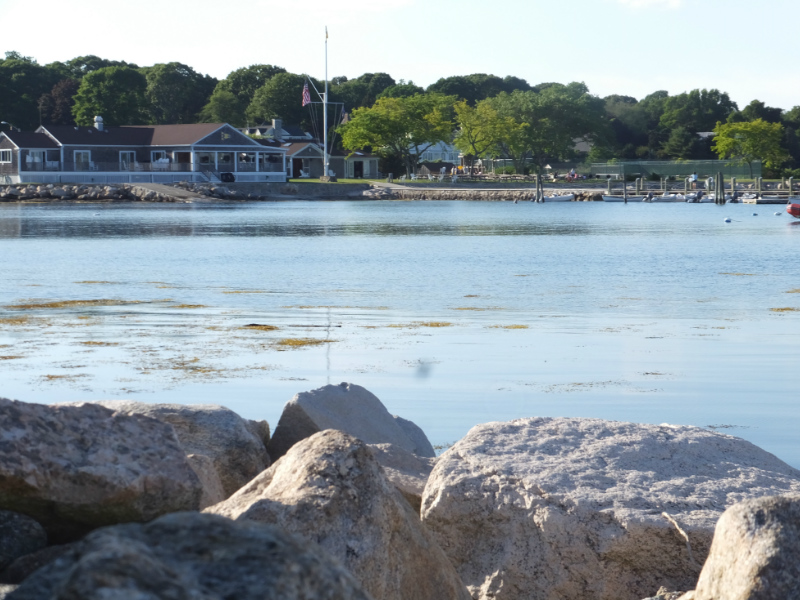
(709, 183)
(693, 180)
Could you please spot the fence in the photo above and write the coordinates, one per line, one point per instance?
(677, 168)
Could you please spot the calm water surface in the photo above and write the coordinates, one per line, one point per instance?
(453, 313)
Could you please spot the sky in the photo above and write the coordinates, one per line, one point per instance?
(627, 47)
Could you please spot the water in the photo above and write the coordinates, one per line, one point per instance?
(453, 313)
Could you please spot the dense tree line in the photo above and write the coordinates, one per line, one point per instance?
(485, 114)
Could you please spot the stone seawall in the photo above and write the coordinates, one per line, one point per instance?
(475, 194)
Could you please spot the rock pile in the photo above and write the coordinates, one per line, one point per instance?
(212, 190)
(353, 504)
(15, 193)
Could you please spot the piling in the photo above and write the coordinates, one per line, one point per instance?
(719, 189)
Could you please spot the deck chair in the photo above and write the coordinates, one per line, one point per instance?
(441, 178)
(402, 178)
(413, 177)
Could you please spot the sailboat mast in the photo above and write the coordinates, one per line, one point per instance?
(325, 109)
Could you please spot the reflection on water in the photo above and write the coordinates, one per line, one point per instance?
(641, 312)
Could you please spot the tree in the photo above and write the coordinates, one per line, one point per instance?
(477, 86)
(403, 89)
(681, 144)
(115, 93)
(698, 110)
(480, 129)
(176, 93)
(23, 81)
(403, 127)
(281, 97)
(242, 85)
(758, 110)
(56, 106)
(361, 91)
(749, 141)
(550, 122)
(82, 65)
(222, 107)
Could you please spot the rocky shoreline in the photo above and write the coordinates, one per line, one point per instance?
(188, 192)
(344, 500)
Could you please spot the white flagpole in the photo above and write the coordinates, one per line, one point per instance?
(325, 109)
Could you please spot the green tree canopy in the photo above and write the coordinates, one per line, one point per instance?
(681, 144)
(403, 89)
(242, 85)
(82, 65)
(281, 97)
(23, 82)
(749, 141)
(56, 105)
(176, 93)
(403, 127)
(361, 91)
(480, 129)
(698, 110)
(477, 86)
(115, 93)
(550, 122)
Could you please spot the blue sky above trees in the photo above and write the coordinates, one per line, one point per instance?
(627, 47)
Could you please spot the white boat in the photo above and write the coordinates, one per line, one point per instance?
(567, 198)
(619, 199)
(669, 198)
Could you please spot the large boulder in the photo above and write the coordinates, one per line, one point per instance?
(558, 508)
(75, 468)
(329, 488)
(226, 438)
(756, 552)
(406, 471)
(349, 408)
(19, 535)
(185, 556)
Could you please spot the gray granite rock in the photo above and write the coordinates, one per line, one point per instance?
(422, 446)
(206, 471)
(211, 430)
(75, 468)
(562, 508)
(406, 471)
(22, 568)
(346, 407)
(187, 556)
(756, 552)
(19, 535)
(329, 488)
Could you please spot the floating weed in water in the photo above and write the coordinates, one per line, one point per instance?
(740, 274)
(311, 307)
(785, 309)
(258, 327)
(15, 320)
(793, 292)
(11, 357)
(63, 377)
(188, 306)
(478, 308)
(35, 305)
(290, 343)
(245, 292)
(727, 426)
(416, 324)
(92, 282)
(101, 344)
(508, 327)
(472, 296)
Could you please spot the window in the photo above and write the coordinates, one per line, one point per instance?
(5, 156)
(127, 160)
(157, 155)
(83, 160)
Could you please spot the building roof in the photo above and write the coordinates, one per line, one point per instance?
(293, 148)
(133, 135)
(29, 139)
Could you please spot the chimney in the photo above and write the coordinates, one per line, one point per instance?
(277, 128)
(98, 123)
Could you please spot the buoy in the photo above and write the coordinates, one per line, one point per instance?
(727, 219)
(755, 214)
(777, 214)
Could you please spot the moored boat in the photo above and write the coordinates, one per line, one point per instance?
(793, 208)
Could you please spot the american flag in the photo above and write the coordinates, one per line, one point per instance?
(306, 95)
